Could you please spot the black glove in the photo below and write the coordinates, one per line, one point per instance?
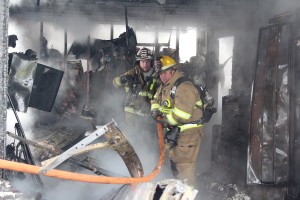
(155, 113)
(207, 113)
(171, 136)
(126, 79)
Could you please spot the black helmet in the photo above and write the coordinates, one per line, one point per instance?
(144, 54)
(31, 54)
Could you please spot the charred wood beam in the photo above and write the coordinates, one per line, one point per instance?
(29, 142)
(41, 36)
(177, 47)
(65, 50)
(126, 23)
(85, 163)
(157, 46)
(111, 32)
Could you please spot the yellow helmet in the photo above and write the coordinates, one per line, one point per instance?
(167, 62)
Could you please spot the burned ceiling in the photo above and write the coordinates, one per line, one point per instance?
(183, 12)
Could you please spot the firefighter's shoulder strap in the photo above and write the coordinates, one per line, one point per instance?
(204, 95)
(177, 82)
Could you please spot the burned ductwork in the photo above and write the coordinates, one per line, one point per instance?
(269, 135)
(273, 150)
(32, 84)
(103, 50)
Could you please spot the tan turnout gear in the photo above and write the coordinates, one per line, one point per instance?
(181, 111)
(182, 108)
(139, 91)
(140, 87)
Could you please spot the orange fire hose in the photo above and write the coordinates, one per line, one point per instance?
(32, 169)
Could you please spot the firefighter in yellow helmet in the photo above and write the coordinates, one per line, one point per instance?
(140, 84)
(178, 101)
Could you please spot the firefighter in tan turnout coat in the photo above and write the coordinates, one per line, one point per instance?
(178, 101)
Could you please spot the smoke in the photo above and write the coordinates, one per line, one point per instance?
(108, 106)
(75, 190)
(240, 22)
(63, 189)
(142, 135)
(15, 2)
(27, 33)
(269, 8)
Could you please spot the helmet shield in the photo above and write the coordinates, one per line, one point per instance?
(167, 62)
(144, 54)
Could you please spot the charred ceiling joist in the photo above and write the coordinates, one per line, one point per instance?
(189, 12)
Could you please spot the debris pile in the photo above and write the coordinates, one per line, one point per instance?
(8, 192)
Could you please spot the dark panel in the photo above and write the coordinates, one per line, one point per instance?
(295, 101)
(45, 87)
(268, 110)
(254, 154)
(215, 147)
(281, 119)
(269, 126)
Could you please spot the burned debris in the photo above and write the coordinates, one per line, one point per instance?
(59, 99)
(255, 144)
(264, 154)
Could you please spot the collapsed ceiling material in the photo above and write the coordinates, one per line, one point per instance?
(186, 12)
(189, 12)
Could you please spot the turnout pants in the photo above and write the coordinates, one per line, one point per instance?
(183, 156)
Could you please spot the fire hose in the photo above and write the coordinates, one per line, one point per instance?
(60, 174)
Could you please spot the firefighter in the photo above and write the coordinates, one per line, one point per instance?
(140, 85)
(178, 102)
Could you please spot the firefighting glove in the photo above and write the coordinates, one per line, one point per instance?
(126, 79)
(158, 117)
(171, 136)
(155, 113)
(208, 112)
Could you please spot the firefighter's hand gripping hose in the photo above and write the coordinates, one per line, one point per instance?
(31, 169)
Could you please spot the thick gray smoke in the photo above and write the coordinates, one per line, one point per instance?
(144, 142)
(236, 24)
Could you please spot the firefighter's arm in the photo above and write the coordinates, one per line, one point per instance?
(123, 80)
(156, 109)
(184, 104)
(155, 112)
